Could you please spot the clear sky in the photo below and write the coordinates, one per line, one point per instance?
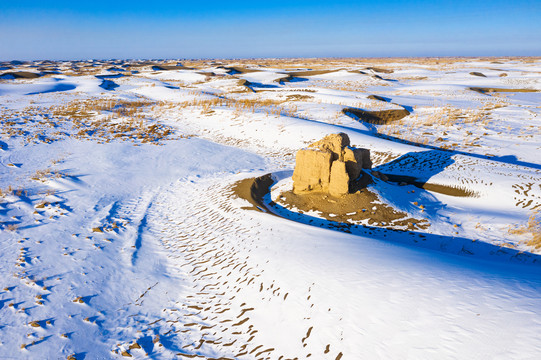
(68, 29)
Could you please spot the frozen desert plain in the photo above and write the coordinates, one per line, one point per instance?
(122, 233)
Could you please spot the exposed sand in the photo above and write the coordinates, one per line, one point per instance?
(361, 206)
(488, 90)
(378, 117)
(20, 75)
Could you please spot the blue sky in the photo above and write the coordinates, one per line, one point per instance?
(233, 29)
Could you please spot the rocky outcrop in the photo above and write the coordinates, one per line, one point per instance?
(329, 165)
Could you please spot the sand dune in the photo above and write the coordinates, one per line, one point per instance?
(150, 212)
(20, 75)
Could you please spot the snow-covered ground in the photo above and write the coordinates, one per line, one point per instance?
(121, 235)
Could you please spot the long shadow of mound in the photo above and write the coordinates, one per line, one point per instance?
(375, 118)
(108, 85)
(508, 159)
(416, 168)
(418, 165)
(290, 78)
(254, 86)
(298, 76)
(55, 88)
(110, 76)
(257, 192)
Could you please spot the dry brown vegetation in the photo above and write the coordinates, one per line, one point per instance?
(438, 124)
(122, 119)
(47, 174)
(93, 119)
(10, 190)
(385, 64)
(240, 105)
(532, 229)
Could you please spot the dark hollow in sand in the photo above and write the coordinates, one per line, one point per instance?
(380, 70)
(299, 75)
(108, 85)
(170, 67)
(20, 75)
(234, 70)
(475, 73)
(380, 117)
(488, 90)
(246, 84)
(377, 97)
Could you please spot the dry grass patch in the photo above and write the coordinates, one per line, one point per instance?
(114, 119)
(253, 105)
(93, 119)
(532, 229)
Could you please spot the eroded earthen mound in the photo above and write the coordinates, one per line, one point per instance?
(329, 166)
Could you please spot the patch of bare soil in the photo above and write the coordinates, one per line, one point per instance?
(476, 73)
(361, 206)
(380, 117)
(485, 90)
(380, 70)
(352, 208)
(170, 67)
(234, 70)
(293, 75)
(282, 80)
(377, 97)
(20, 75)
(253, 190)
(246, 84)
(357, 72)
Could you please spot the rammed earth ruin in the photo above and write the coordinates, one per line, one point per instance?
(329, 166)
